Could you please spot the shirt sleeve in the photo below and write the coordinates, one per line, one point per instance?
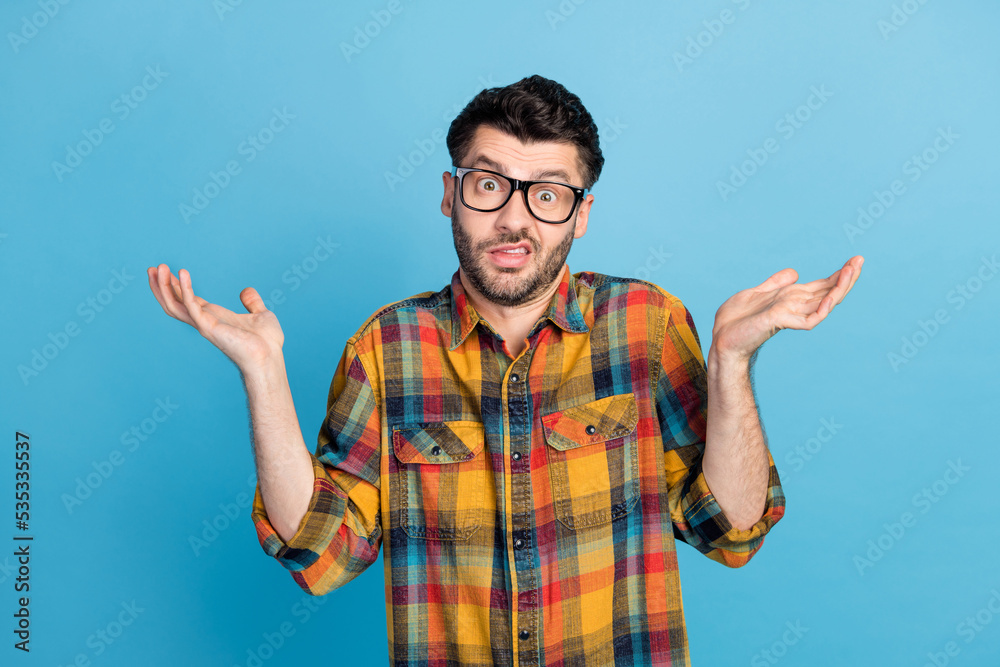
(682, 408)
(340, 534)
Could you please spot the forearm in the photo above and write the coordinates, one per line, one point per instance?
(284, 467)
(735, 462)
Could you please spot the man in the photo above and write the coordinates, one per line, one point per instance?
(526, 444)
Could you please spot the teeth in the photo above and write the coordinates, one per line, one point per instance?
(517, 251)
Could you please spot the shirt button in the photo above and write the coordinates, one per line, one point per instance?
(518, 543)
(516, 456)
(435, 450)
(514, 377)
(591, 430)
(524, 634)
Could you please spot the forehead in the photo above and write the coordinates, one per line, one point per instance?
(544, 160)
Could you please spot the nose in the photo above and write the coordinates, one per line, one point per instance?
(515, 214)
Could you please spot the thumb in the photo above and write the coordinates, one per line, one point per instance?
(779, 279)
(252, 301)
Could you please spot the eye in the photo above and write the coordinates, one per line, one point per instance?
(489, 184)
(547, 196)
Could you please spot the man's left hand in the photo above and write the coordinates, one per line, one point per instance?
(750, 317)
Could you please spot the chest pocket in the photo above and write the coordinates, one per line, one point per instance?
(440, 485)
(593, 460)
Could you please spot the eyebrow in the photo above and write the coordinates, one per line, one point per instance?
(535, 175)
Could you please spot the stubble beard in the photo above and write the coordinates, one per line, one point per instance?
(475, 265)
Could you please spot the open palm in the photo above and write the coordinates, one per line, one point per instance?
(247, 339)
(750, 317)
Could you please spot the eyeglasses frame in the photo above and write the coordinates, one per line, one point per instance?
(579, 193)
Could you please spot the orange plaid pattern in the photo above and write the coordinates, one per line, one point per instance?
(527, 507)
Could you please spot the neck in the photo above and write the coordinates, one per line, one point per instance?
(510, 317)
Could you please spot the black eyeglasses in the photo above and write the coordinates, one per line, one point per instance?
(487, 191)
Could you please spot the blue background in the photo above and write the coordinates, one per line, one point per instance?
(672, 129)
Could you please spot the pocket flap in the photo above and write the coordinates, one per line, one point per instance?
(438, 443)
(589, 423)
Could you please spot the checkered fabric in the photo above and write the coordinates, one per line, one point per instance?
(528, 507)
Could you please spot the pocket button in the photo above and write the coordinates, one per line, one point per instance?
(594, 471)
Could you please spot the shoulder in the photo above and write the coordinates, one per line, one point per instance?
(395, 313)
(607, 293)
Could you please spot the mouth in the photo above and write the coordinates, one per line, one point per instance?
(511, 254)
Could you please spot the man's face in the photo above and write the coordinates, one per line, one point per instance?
(481, 239)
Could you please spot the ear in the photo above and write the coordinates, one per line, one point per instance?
(582, 216)
(449, 193)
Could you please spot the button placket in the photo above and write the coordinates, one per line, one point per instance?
(522, 516)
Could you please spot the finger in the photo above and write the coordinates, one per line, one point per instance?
(251, 301)
(845, 279)
(154, 286)
(823, 283)
(829, 281)
(835, 276)
(176, 285)
(779, 279)
(203, 321)
(809, 313)
(813, 315)
(799, 310)
(180, 295)
(838, 293)
(857, 270)
(171, 293)
(790, 319)
(167, 298)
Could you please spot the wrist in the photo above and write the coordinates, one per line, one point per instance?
(727, 363)
(266, 373)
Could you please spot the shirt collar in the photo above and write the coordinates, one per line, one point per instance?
(564, 309)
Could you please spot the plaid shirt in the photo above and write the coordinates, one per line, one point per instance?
(528, 507)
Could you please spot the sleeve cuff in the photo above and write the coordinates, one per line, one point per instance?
(322, 520)
(722, 541)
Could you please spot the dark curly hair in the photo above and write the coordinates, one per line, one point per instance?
(533, 109)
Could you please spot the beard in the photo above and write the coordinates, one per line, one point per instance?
(507, 289)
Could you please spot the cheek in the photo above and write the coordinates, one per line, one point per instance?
(557, 238)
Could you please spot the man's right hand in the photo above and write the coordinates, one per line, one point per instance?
(249, 340)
